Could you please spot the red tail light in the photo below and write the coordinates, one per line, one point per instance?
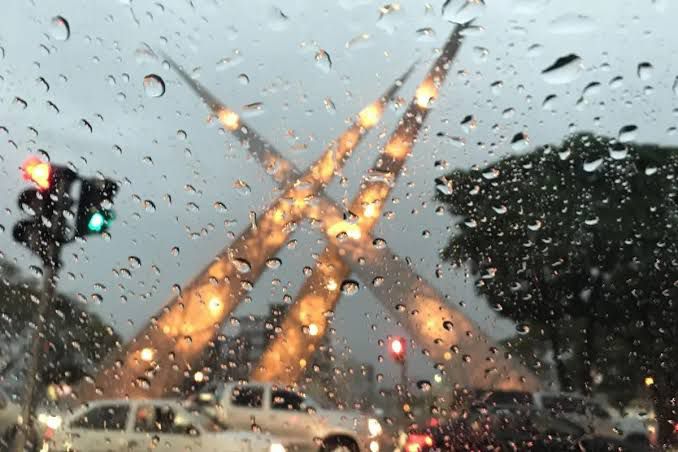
(416, 442)
(48, 434)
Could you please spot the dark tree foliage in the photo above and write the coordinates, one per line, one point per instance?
(579, 241)
(75, 338)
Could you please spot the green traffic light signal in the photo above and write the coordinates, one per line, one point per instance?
(96, 222)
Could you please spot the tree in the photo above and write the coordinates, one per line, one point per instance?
(75, 339)
(579, 240)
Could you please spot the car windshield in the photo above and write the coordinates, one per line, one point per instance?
(404, 210)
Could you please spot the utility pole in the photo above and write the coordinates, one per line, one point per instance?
(45, 232)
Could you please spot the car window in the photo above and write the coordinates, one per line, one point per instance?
(247, 396)
(286, 400)
(105, 417)
(163, 419)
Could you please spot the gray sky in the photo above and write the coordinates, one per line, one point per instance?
(98, 73)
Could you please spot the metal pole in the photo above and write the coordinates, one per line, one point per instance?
(36, 354)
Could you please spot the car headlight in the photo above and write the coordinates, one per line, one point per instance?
(53, 422)
(374, 427)
(276, 447)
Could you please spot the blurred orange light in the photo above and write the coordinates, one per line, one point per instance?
(370, 115)
(425, 94)
(199, 377)
(397, 346)
(229, 119)
(397, 148)
(146, 354)
(649, 381)
(37, 171)
(313, 329)
(215, 306)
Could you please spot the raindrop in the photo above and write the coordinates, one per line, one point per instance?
(175, 251)
(329, 105)
(243, 79)
(424, 385)
(520, 142)
(462, 11)
(323, 61)
(84, 123)
(618, 151)
(572, 24)
(564, 70)
(20, 103)
(42, 83)
(242, 265)
(220, 207)
(379, 243)
(273, 263)
(242, 187)
(36, 271)
(181, 134)
(427, 34)
(154, 85)
(59, 28)
(448, 325)
(350, 287)
(549, 102)
(149, 206)
(675, 86)
(522, 328)
(378, 281)
(134, 261)
(627, 133)
(591, 90)
(645, 71)
(480, 54)
(616, 82)
(590, 167)
(278, 21)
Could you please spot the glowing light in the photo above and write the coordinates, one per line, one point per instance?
(371, 210)
(215, 306)
(406, 408)
(397, 346)
(437, 378)
(302, 363)
(146, 354)
(96, 222)
(229, 118)
(649, 381)
(199, 377)
(397, 148)
(313, 329)
(37, 171)
(278, 216)
(352, 230)
(447, 356)
(425, 94)
(370, 115)
(332, 285)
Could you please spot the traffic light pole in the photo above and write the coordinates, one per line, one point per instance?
(50, 264)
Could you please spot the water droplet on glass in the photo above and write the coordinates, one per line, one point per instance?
(628, 133)
(175, 251)
(424, 385)
(277, 21)
(618, 151)
(323, 61)
(243, 79)
(520, 142)
(448, 325)
(154, 85)
(35, 271)
(549, 102)
(564, 70)
(134, 261)
(181, 134)
(60, 29)
(590, 167)
(572, 24)
(242, 265)
(591, 90)
(273, 263)
(480, 54)
(427, 34)
(522, 328)
(379, 243)
(329, 105)
(675, 86)
(378, 281)
(462, 11)
(645, 71)
(350, 287)
(22, 104)
(242, 187)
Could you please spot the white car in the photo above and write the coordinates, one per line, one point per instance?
(596, 417)
(145, 425)
(298, 421)
(9, 415)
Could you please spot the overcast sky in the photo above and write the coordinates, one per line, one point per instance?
(246, 52)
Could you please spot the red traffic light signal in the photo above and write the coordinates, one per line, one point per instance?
(397, 347)
(38, 172)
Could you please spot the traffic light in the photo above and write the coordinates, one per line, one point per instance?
(46, 205)
(397, 348)
(94, 208)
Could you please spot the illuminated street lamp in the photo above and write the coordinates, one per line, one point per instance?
(649, 381)
(146, 354)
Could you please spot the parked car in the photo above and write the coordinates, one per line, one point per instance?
(297, 420)
(143, 425)
(599, 419)
(509, 430)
